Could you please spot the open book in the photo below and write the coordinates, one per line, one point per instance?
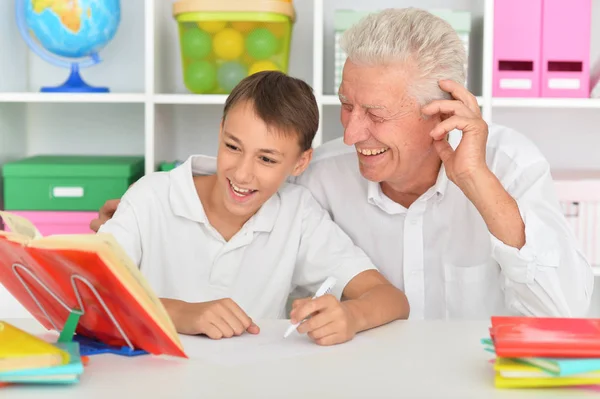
(88, 273)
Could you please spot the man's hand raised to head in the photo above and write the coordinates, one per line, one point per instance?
(106, 212)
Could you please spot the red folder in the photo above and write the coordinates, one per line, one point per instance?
(545, 337)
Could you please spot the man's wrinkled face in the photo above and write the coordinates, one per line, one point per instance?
(383, 122)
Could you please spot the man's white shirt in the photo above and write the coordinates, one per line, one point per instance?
(439, 250)
(290, 242)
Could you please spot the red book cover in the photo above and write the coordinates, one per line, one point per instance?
(53, 275)
(545, 337)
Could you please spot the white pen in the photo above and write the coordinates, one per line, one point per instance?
(323, 289)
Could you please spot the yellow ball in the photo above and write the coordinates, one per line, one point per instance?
(262, 66)
(243, 26)
(212, 26)
(228, 44)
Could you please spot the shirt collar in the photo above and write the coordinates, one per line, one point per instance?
(185, 203)
(376, 197)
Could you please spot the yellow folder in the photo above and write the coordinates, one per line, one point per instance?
(513, 374)
(21, 350)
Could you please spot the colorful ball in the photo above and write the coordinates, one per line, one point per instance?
(262, 66)
(243, 26)
(195, 44)
(228, 44)
(261, 44)
(230, 74)
(212, 26)
(200, 77)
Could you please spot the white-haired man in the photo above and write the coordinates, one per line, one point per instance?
(460, 215)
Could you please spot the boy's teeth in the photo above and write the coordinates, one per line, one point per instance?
(375, 151)
(238, 189)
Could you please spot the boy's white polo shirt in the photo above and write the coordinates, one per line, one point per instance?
(290, 242)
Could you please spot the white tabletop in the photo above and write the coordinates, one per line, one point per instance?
(414, 359)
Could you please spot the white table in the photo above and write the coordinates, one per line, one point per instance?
(430, 359)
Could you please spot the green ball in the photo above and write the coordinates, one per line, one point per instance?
(230, 74)
(200, 77)
(261, 44)
(195, 44)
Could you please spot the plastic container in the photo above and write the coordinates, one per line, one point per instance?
(222, 42)
(68, 183)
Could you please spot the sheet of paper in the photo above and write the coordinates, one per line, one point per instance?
(269, 345)
(20, 225)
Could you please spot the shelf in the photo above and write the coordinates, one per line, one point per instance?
(71, 98)
(190, 99)
(588, 103)
(334, 100)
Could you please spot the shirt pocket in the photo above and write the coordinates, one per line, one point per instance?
(472, 291)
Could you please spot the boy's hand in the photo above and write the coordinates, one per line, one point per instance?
(331, 322)
(218, 319)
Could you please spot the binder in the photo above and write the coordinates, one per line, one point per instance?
(566, 37)
(517, 47)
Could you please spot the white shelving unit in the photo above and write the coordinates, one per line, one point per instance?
(142, 68)
(149, 112)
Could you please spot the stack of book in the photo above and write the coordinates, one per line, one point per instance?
(544, 352)
(27, 359)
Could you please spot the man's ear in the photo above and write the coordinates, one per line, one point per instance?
(303, 162)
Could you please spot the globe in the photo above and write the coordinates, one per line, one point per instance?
(69, 33)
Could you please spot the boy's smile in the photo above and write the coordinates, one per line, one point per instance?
(240, 194)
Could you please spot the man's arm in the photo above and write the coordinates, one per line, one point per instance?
(105, 213)
(546, 273)
(497, 207)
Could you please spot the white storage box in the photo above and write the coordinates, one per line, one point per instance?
(579, 195)
(344, 19)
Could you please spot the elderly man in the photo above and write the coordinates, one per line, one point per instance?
(460, 215)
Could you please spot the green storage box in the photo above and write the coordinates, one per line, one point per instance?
(68, 183)
(168, 166)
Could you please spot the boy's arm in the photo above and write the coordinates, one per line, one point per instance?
(373, 300)
(369, 299)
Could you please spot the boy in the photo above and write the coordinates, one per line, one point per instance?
(221, 247)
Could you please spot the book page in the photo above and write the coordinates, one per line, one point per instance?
(268, 345)
(20, 225)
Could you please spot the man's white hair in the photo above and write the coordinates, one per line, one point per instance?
(427, 43)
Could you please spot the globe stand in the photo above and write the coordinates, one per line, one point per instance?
(75, 84)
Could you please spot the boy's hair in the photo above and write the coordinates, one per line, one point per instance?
(282, 102)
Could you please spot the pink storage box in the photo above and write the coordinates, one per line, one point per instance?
(53, 222)
(566, 37)
(517, 48)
